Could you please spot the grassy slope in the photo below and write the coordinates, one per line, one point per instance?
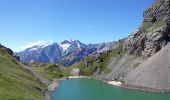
(16, 83)
(50, 71)
(93, 63)
(149, 27)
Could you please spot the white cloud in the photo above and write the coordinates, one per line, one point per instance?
(34, 43)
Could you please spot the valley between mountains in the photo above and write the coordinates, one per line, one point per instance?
(140, 61)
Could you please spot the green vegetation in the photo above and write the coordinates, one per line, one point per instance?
(149, 27)
(106, 59)
(152, 5)
(50, 70)
(17, 83)
(91, 63)
(87, 66)
(156, 25)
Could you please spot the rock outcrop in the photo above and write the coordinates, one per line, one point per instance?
(144, 56)
(6, 50)
(151, 40)
(158, 11)
(153, 34)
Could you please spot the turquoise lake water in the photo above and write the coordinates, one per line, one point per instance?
(86, 89)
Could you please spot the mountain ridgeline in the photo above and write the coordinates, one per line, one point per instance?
(18, 82)
(65, 53)
(141, 60)
(153, 34)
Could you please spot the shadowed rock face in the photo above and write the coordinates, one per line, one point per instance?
(151, 39)
(153, 34)
(153, 73)
(150, 69)
(7, 50)
(160, 10)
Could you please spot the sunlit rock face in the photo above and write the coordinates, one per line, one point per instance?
(153, 34)
(159, 11)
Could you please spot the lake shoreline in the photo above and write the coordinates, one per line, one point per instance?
(55, 84)
(77, 77)
(50, 89)
(145, 89)
(130, 87)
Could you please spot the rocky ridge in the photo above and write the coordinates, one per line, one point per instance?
(143, 57)
(6, 50)
(158, 11)
(153, 34)
(65, 53)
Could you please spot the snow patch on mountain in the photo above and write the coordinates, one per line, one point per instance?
(36, 47)
(33, 49)
(78, 44)
(67, 52)
(65, 46)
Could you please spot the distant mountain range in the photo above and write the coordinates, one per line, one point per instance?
(66, 53)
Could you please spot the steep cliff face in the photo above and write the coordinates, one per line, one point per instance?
(151, 39)
(143, 57)
(158, 11)
(153, 34)
(141, 60)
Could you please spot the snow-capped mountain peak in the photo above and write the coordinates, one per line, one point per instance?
(36, 47)
(68, 43)
(67, 52)
(78, 44)
(65, 46)
(72, 40)
(65, 41)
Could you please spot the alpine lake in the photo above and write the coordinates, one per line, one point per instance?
(89, 89)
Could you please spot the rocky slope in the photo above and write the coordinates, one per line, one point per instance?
(141, 60)
(153, 73)
(151, 39)
(153, 34)
(94, 64)
(65, 53)
(17, 81)
(149, 43)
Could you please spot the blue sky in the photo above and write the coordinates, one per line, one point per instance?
(27, 22)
